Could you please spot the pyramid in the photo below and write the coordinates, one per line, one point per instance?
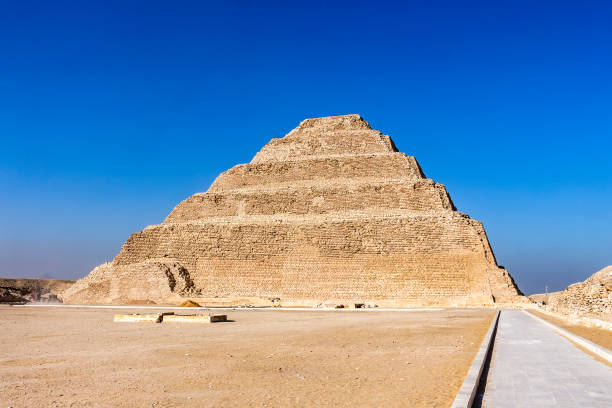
(330, 212)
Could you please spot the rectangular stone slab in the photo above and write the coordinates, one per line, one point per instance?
(140, 318)
(194, 318)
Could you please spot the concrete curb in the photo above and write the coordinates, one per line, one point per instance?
(467, 392)
(592, 347)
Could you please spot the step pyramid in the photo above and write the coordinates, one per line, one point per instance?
(330, 212)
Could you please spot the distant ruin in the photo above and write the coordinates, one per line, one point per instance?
(22, 290)
(591, 298)
(330, 212)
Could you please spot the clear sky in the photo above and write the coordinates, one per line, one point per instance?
(112, 112)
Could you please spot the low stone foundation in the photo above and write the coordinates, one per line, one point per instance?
(195, 318)
(168, 317)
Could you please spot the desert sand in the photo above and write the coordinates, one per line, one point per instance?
(67, 357)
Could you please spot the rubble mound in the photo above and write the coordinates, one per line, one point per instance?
(22, 290)
(150, 281)
(140, 302)
(332, 212)
(190, 303)
(591, 298)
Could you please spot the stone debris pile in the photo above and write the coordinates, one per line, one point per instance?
(591, 298)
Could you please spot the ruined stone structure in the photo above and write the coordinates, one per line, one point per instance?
(20, 290)
(330, 212)
(591, 298)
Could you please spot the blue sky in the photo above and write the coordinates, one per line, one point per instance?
(113, 112)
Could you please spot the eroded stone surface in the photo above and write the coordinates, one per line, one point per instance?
(21, 290)
(591, 298)
(330, 212)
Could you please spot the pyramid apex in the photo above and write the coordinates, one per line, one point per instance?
(324, 136)
(330, 123)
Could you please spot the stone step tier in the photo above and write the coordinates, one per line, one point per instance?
(301, 144)
(433, 256)
(377, 197)
(396, 166)
(342, 236)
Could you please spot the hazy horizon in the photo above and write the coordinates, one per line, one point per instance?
(112, 113)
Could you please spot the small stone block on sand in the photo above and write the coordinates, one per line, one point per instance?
(195, 318)
(135, 317)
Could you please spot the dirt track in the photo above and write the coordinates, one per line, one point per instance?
(57, 357)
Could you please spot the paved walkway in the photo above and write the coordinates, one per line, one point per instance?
(533, 366)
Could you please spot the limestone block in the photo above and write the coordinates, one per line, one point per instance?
(141, 318)
(175, 318)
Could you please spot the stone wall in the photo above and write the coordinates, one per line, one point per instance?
(330, 211)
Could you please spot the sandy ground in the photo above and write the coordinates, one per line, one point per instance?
(599, 336)
(55, 357)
